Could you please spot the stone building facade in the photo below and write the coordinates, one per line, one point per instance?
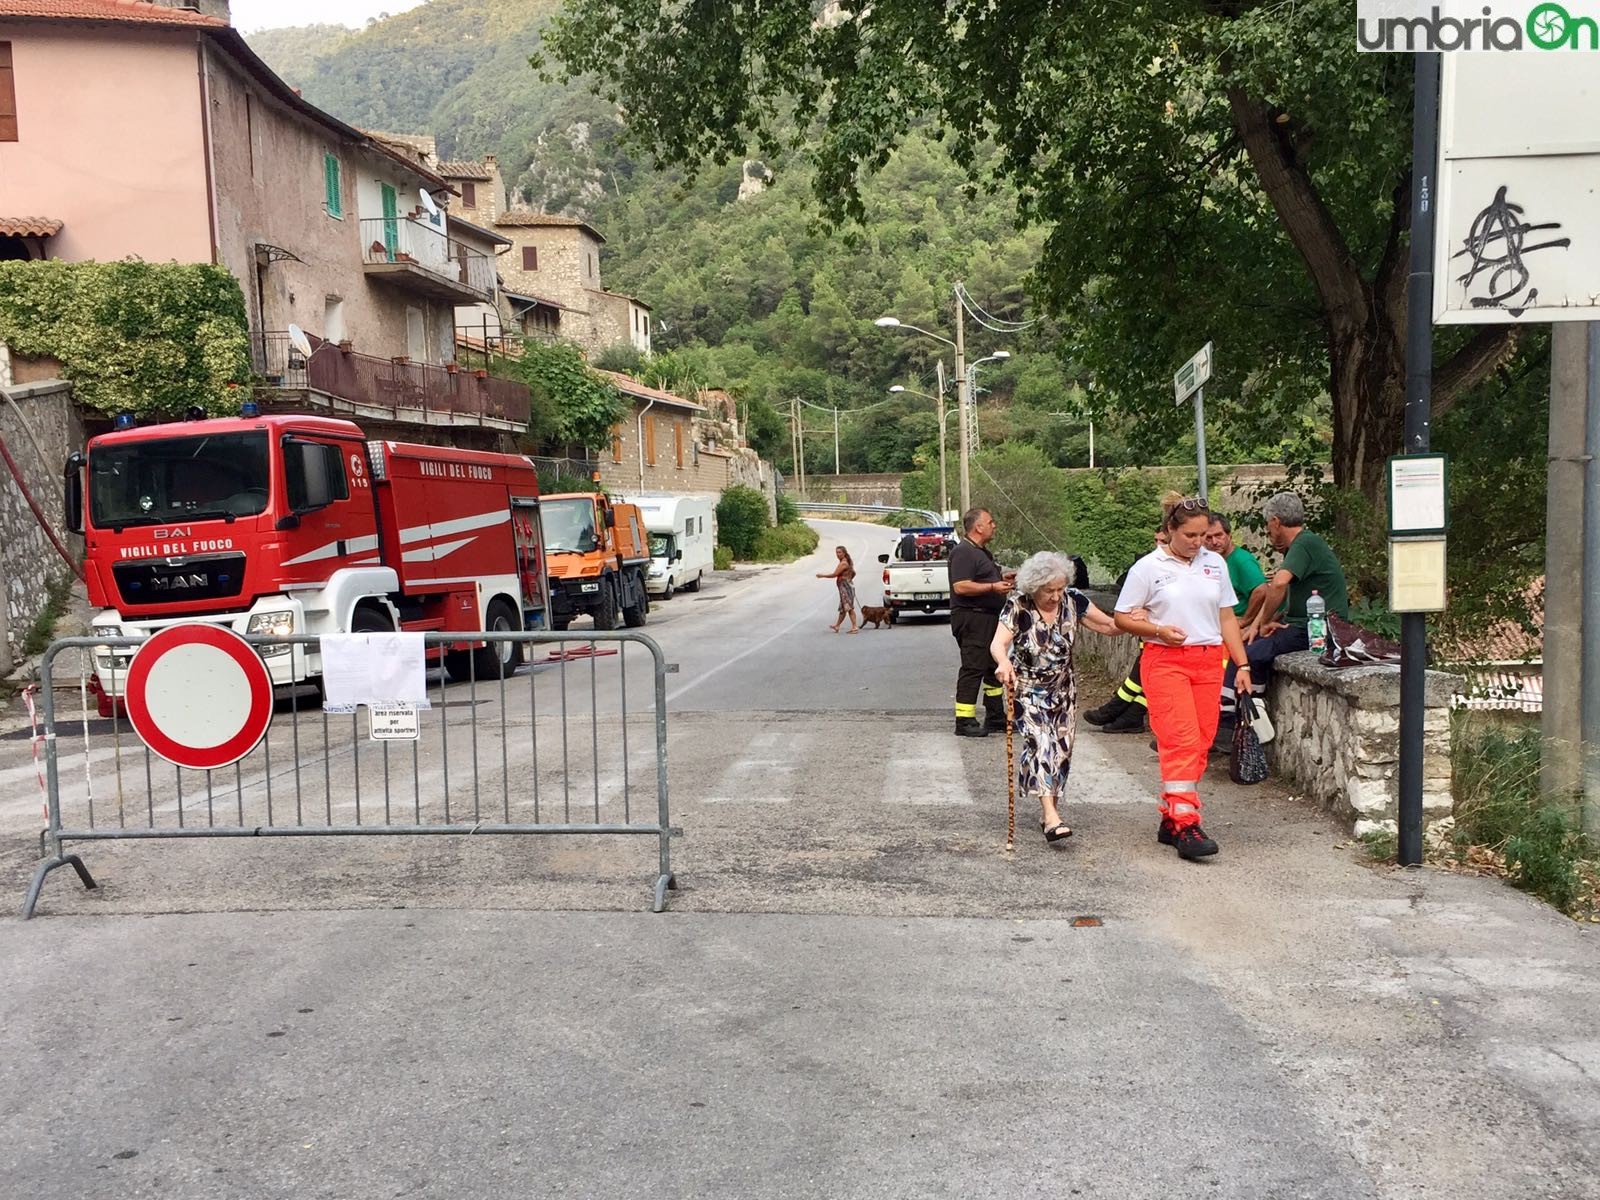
(558, 258)
(551, 271)
(480, 190)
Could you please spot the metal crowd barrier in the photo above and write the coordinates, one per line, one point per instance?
(932, 518)
(565, 765)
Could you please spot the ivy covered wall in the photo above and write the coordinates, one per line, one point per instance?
(147, 338)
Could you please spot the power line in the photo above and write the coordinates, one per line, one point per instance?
(987, 319)
(1011, 502)
(983, 316)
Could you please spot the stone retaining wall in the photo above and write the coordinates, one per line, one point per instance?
(1339, 739)
(43, 422)
(1338, 732)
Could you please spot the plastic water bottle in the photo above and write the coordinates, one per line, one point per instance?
(1317, 622)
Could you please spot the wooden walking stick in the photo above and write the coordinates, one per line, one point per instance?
(1011, 780)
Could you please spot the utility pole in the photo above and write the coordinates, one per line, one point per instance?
(944, 483)
(1590, 815)
(836, 441)
(800, 442)
(794, 438)
(1570, 724)
(1091, 444)
(963, 400)
(1418, 419)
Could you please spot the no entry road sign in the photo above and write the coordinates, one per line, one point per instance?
(199, 696)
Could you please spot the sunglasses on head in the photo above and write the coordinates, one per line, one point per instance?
(1191, 504)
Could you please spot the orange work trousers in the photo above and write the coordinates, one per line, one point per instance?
(1183, 685)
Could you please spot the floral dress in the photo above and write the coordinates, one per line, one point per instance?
(847, 591)
(1047, 694)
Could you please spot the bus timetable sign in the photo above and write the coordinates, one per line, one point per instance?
(1193, 375)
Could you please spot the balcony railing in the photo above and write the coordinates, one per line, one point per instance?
(275, 360)
(414, 250)
(409, 390)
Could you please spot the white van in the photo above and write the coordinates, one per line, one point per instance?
(682, 532)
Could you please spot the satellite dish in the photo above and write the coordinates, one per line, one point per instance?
(299, 340)
(430, 205)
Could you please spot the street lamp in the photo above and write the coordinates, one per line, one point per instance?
(944, 487)
(963, 395)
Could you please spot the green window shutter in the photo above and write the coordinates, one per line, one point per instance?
(334, 198)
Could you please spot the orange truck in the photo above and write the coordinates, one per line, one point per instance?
(596, 553)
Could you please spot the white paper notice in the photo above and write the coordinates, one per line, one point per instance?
(384, 669)
(1416, 495)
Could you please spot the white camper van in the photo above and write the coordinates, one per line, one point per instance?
(682, 531)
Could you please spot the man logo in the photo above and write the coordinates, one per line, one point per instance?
(179, 583)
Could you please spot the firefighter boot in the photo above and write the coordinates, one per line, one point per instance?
(1131, 721)
(994, 708)
(970, 727)
(1107, 712)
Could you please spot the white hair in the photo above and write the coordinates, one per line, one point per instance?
(1041, 569)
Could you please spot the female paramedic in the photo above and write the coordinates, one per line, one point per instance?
(1179, 600)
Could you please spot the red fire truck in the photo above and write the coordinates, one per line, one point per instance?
(298, 525)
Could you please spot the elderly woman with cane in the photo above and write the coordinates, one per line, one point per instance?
(1032, 650)
(1180, 600)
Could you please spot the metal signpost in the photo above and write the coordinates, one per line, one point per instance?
(1191, 380)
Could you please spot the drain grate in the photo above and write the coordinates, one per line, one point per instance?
(708, 599)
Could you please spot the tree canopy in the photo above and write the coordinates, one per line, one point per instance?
(1223, 171)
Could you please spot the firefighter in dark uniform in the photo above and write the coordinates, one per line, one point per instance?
(978, 590)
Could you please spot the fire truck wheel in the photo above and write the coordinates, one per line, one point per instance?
(492, 660)
(498, 659)
(370, 620)
(605, 613)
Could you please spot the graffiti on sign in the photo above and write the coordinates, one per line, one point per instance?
(1497, 244)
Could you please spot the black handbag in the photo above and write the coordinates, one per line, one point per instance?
(1249, 761)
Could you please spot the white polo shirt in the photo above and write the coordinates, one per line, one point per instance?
(1190, 595)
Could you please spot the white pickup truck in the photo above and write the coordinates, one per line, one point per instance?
(916, 576)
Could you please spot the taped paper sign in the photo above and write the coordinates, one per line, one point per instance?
(383, 670)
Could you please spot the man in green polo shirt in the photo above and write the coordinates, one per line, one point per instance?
(1249, 582)
(1244, 572)
(1275, 622)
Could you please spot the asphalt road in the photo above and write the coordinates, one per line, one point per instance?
(857, 991)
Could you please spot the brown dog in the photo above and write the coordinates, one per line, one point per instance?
(876, 617)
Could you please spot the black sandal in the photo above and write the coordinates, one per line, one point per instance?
(1059, 832)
